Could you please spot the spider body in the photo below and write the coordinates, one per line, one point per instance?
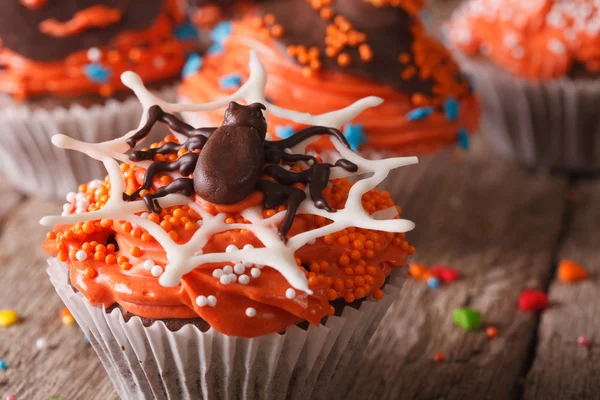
(235, 160)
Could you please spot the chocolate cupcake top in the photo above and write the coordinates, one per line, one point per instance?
(533, 39)
(222, 230)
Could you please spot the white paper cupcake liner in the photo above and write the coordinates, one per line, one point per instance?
(551, 126)
(155, 363)
(30, 161)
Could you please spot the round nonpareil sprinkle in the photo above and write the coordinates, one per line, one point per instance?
(491, 332)
(251, 312)
(290, 293)
(41, 344)
(212, 301)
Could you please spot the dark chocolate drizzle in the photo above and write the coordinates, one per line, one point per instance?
(232, 161)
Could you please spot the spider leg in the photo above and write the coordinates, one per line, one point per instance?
(185, 186)
(193, 143)
(275, 156)
(318, 182)
(304, 134)
(275, 194)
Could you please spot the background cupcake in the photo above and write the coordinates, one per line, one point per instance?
(535, 66)
(60, 73)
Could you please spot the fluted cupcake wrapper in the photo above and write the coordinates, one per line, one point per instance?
(30, 161)
(155, 363)
(551, 126)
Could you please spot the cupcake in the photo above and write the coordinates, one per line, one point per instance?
(535, 67)
(206, 14)
(200, 267)
(322, 55)
(60, 63)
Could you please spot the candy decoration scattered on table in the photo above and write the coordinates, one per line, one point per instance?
(444, 274)
(433, 282)
(533, 300)
(466, 318)
(11, 397)
(570, 271)
(3, 365)
(41, 344)
(583, 341)
(434, 275)
(66, 317)
(491, 332)
(439, 357)
(8, 317)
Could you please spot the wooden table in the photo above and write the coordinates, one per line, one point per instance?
(502, 228)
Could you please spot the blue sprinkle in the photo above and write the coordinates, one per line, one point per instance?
(433, 283)
(451, 109)
(419, 113)
(192, 65)
(284, 131)
(97, 73)
(221, 32)
(355, 135)
(3, 365)
(185, 31)
(86, 339)
(464, 140)
(215, 48)
(231, 81)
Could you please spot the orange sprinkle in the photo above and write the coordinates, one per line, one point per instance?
(491, 332)
(343, 60)
(90, 273)
(378, 294)
(136, 251)
(439, 357)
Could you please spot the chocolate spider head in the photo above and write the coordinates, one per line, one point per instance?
(250, 116)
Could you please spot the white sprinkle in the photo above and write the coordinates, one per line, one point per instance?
(268, 137)
(156, 270)
(67, 207)
(239, 269)
(201, 301)
(224, 279)
(511, 40)
(312, 241)
(290, 293)
(244, 279)
(80, 211)
(81, 255)
(41, 344)
(288, 151)
(286, 167)
(230, 248)
(251, 312)
(94, 54)
(217, 273)
(212, 301)
(148, 264)
(518, 52)
(255, 272)
(82, 204)
(65, 213)
(232, 278)
(81, 197)
(227, 269)
(159, 62)
(95, 184)
(144, 215)
(199, 222)
(556, 46)
(248, 247)
(71, 196)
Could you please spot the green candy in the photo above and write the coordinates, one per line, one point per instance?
(466, 318)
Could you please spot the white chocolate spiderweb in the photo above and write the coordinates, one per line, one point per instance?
(276, 254)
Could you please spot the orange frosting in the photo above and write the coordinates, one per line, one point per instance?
(537, 40)
(349, 264)
(310, 88)
(154, 53)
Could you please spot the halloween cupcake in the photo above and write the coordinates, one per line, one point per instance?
(200, 266)
(327, 54)
(60, 63)
(535, 66)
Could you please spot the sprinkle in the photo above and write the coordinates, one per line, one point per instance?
(244, 279)
(8, 317)
(148, 264)
(227, 269)
(230, 248)
(284, 131)
(570, 271)
(251, 312)
(444, 274)
(230, 81)
(71, 196)
(355, 135)
(159, 62)
(556, 46)
(582, 341)
(81, 255)
(217, 273)
(239, 269)
(232, 278)
(41, 344)
(248, 247)
(201, 301)
(3, 365)
(466, 318)
(439, 357)
(185, 31)
(491, 332)
(156, 270)
(419, 113)
(433, 283)
(255, 272)
(464, 141)
(224, 279)
(451, 109)
(86, 339)
(97, 73)
(192, 65)
(290, 293)
(94, 54)
(215, 49)
(533, 300)
(11, 397)
(66, 317)
(221, 32)
(212, 301)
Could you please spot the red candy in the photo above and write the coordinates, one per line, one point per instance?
(533, 300)
(444, 274)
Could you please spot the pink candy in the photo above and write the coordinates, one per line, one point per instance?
(444, 274)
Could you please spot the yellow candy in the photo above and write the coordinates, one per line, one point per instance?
(68, 320)
(8, 317)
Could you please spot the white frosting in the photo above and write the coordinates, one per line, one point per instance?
(183, 258)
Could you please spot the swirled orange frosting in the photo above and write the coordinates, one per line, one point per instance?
(350, 264)
(290, 86)
(154, 53)
(543, 39)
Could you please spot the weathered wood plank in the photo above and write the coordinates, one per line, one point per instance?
(498, 226)
(562, 369)
(69, 368)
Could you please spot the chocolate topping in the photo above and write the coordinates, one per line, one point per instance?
(20, 25)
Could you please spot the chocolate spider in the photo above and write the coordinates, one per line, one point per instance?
(232, 161)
